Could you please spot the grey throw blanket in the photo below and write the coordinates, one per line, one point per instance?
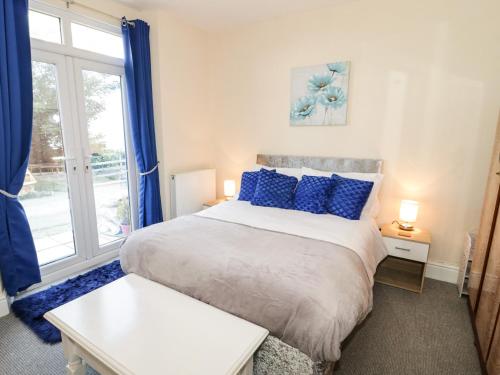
(308, 293)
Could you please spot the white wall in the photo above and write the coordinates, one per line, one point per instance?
(424, 96)
(180, 85)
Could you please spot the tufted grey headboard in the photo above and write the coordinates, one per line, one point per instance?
(322, 163)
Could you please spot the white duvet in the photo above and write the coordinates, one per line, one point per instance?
(361, 236)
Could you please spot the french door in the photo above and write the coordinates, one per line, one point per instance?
(80, 186)
(108, 176)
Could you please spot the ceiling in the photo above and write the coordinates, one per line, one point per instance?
(224, 14)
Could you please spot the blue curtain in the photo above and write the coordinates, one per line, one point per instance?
(140, 105)
(18, 261)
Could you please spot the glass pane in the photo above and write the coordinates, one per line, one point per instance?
(94, 40)
(45, 27)
(103, 108)
(45, 191)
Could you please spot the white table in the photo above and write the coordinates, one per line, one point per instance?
(136, 326)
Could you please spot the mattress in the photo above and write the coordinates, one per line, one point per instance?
(306, 278)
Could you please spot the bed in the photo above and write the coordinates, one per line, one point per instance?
(307, 278)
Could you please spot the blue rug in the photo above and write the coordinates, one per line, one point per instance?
(31, 309)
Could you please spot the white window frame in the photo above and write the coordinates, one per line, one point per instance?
(70, 140)
(78, 66)
(69, 60)
(66, 48)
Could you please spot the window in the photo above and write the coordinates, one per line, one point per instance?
(104, 116)
(87, 35)
(79, 192)
(45, 186)
(96, 40)
(45, 27)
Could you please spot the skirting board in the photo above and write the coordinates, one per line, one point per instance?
(442, 272)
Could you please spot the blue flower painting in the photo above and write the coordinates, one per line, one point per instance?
(319, 94)
(304, 107)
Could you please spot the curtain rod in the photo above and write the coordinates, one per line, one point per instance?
(77, 3)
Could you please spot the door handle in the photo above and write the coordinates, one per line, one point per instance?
(72, 160)
(87, 162)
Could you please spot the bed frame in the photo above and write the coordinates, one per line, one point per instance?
(321, 163)
(274, 357)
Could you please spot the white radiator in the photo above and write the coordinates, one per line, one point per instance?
(189, 190)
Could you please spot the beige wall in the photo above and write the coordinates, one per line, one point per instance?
(424, 96)
(180, 85)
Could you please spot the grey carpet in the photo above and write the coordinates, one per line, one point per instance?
(405, 334)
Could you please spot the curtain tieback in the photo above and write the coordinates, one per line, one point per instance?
(150, 171)
(7, 194)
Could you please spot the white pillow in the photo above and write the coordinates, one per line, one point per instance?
(372, 206)
(295, 172)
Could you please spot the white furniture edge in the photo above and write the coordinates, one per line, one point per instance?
(77, 355)
(4, 302)
(442, 272)
(78, 348)
(74, 338)
(77, 345)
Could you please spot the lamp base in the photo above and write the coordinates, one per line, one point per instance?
(406, 226)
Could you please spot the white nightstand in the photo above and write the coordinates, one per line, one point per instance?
(408, 251)
(213, 203)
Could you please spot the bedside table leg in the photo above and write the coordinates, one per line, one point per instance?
(423, 278)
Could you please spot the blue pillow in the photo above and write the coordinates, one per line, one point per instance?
(312, 194)
(248, 184)
(274, 190)
(348, 197)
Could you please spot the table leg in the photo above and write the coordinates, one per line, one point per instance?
(75, 364)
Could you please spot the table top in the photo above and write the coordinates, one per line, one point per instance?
(417, 235)
(136, 326)
(214, 202)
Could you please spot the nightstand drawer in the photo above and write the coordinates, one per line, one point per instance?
(407, 249)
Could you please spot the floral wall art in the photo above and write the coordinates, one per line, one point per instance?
(319, 94)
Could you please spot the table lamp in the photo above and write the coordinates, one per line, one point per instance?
(229, 188)
(407, 214)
